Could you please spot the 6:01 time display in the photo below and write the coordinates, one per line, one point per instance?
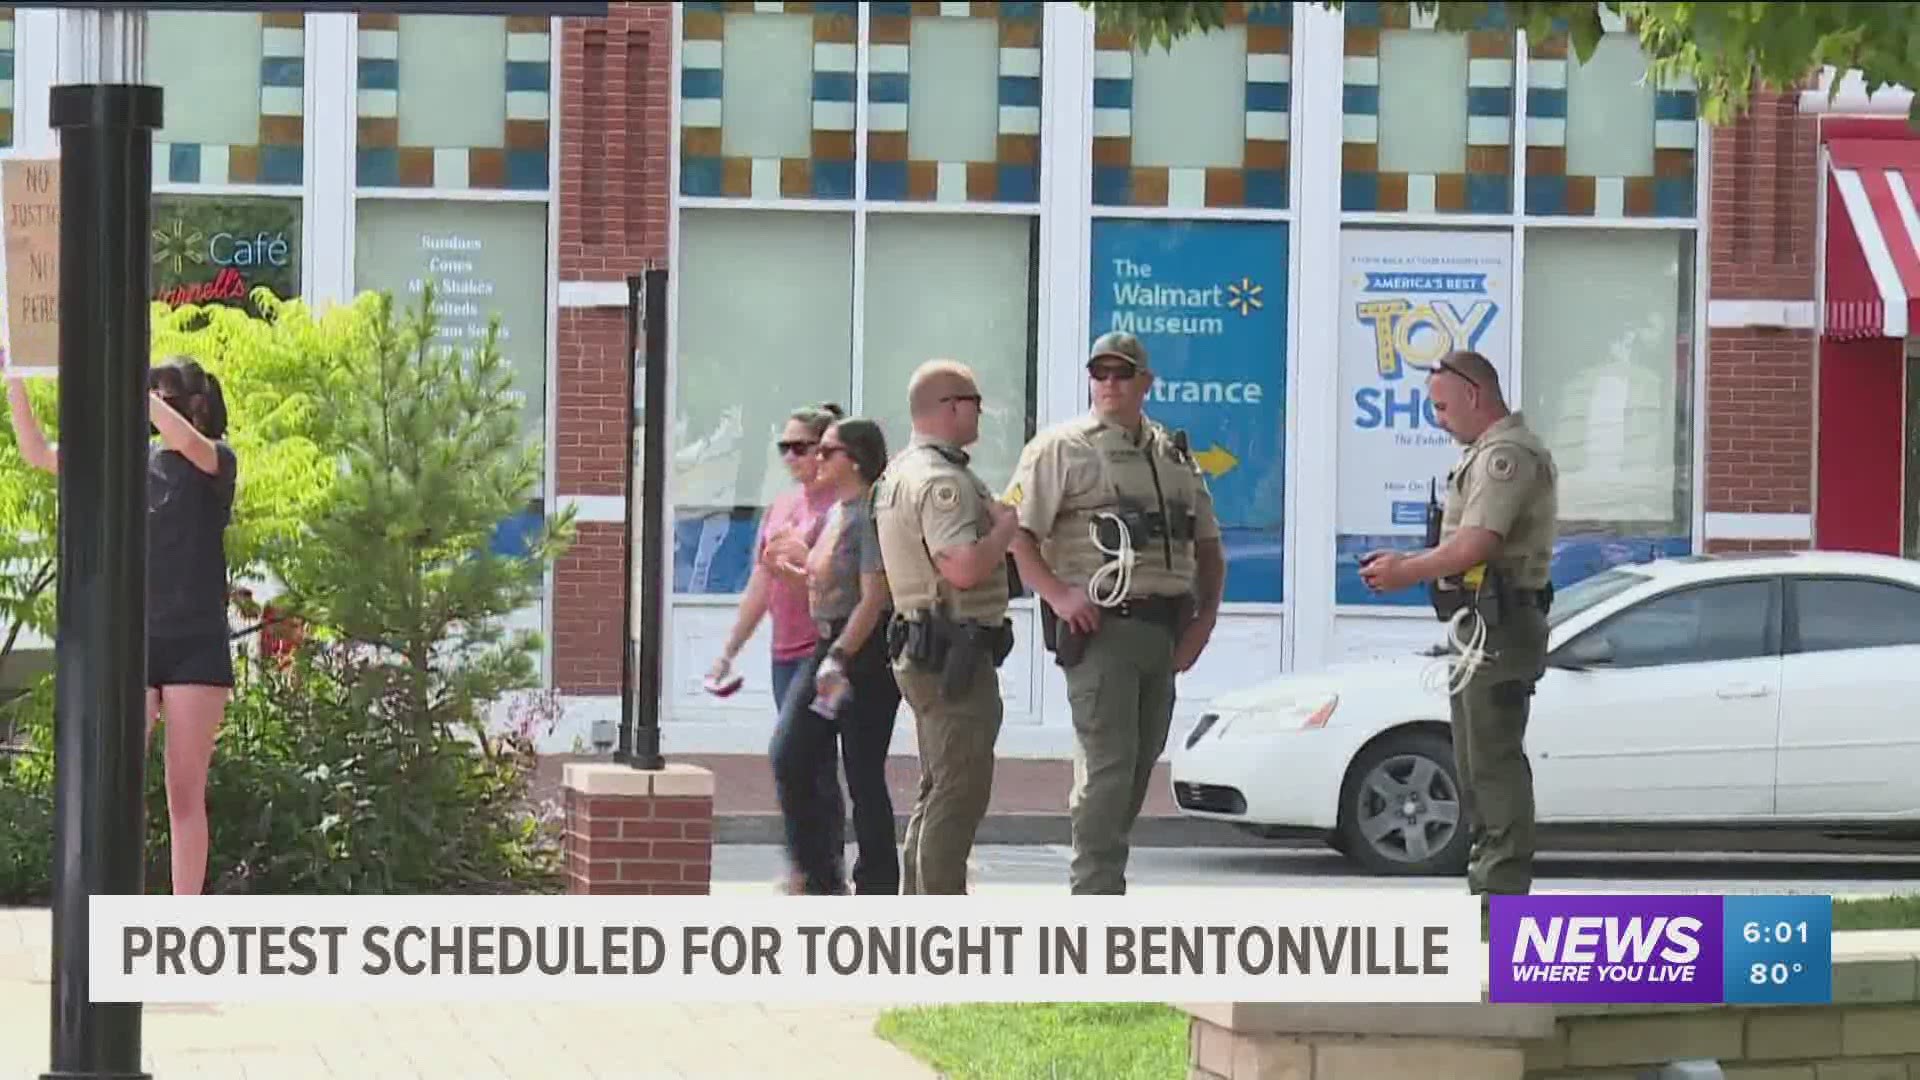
(1779, 933)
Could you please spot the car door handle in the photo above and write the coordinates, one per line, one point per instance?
(1743, 690)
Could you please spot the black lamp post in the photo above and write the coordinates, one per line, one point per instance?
(641, 676)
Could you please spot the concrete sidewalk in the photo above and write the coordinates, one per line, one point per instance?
(455, 1042)
(1029, 802)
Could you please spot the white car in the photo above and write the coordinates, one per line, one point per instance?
(1709, 691)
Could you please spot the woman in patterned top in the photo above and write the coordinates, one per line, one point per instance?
(850, 604)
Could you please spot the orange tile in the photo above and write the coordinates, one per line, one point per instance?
(1546, 161)
(890, 30)
(416, 166)
(1580, 194)
(1490, 44)
(291, 20)
(699, 142)
(379, 20)
(983, 181)
(1450, 192)
(1113, 152)
(1363, 42)
(1112, 40)
(833, 146)
(1550, 49)
(1639, 196)
(377, 131)
(1490, 159)
(796, 178)
(533, 135)
(1393, 192)
(836, 29)
(243, 164)
(282, 130)
(887, 145)
(1269, 39)
(1019, 33)
(1674, 164)
(1359, 157)
(1267, 153)
(487, 168)
(1226, 187)
(736, 177)
(528, 24)
(1019, 150)
(923, 179)
(702, 26)
(1150, 186)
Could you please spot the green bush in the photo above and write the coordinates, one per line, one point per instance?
(362, 760)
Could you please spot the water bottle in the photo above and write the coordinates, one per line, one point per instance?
(831, 690)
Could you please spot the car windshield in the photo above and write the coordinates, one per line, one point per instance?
(1587, 592)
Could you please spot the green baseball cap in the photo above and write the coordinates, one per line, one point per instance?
(1119, 345)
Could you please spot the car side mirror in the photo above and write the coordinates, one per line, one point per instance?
(1593, 650)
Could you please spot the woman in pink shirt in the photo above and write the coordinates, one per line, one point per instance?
(778, 586)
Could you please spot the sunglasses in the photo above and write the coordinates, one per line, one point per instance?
(1444, 366)
(1110, 373)
(796, 447)
(975, 399)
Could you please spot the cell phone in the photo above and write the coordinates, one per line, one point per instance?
(725, 687)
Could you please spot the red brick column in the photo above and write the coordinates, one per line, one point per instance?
(632, 831)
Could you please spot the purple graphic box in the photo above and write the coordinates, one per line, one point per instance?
(1606, 949)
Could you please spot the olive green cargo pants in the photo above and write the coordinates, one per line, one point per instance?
(956, 739)
(1490, 718)
(1122, 693)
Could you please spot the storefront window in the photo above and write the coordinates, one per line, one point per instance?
(765, 326)
(767, 104)
(235, 86)
(953, 103)
(1208, 300)
(1604, 141)
(6, 77)
(1203, 124)
(454, 101)
(217, 249)
(484, 260)
(962, 287)
(1609, 381)
(1428, 116)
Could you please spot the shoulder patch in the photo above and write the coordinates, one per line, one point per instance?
(945, 494)
(1502, 463)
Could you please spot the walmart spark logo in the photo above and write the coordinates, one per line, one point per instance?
(178, 246)
(1243, 296)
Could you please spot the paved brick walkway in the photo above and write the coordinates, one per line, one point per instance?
(456, 1042)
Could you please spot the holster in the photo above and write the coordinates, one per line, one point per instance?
(1067, 645)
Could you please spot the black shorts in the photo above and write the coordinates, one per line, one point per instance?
(198, 660)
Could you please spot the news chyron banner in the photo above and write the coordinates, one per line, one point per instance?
(1226, 945)
(1676, 950)
(1407, 298)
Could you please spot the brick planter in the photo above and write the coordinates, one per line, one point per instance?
(636, 832)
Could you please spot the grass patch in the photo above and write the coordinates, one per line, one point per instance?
(1043, 1042)
(1879, 913)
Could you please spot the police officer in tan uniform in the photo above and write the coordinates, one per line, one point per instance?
(943, 540)
(1495, 549)
(1119, 540)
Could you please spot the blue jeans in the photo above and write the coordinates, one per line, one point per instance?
(783, 673)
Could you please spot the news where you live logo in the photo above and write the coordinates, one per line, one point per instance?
(1683, 949)
(1306, 946)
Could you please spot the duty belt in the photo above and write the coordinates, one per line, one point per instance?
(1160, 609)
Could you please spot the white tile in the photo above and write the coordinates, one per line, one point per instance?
(1542, 131)
(956, 10)
(891, 116)
(282, 41)
(1676, 134)
(835, 56)
(1020, 63)
(162, 161)
(1420, 189)
(282, 101)
(700, 112)
(766, 178)
(1489, 72)
(1269, 125)
(1547, 74)
(1112, 123)
(950, 185)
(6, 94)
(834, 115)
(1019, 120)
(381, 104)
(450, 167)
(1359, 129)
(6, 34)
(1609, 197)
(1186, 188)
(702, 55)
(1112, 64)
(530, 104)
(216, 163)
(1269, 67)
(889, 59)
(532, 48)
(770, 7)
(1362, 70)
(379, 45)
(1489, 131)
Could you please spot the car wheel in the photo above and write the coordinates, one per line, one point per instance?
(1400, 808)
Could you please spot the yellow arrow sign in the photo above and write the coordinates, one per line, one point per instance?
(1216, 461)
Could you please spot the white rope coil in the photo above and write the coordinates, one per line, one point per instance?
(1450, 674)
(1117, 572)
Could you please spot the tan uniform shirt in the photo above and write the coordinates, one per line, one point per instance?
(1072, 472)
(929, 500)
(1506, 481)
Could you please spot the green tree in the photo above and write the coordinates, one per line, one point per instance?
(398, 565)
(1730, 50)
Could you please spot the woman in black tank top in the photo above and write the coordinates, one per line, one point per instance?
(191, 477)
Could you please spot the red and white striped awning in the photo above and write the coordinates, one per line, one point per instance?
(1873, 238)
